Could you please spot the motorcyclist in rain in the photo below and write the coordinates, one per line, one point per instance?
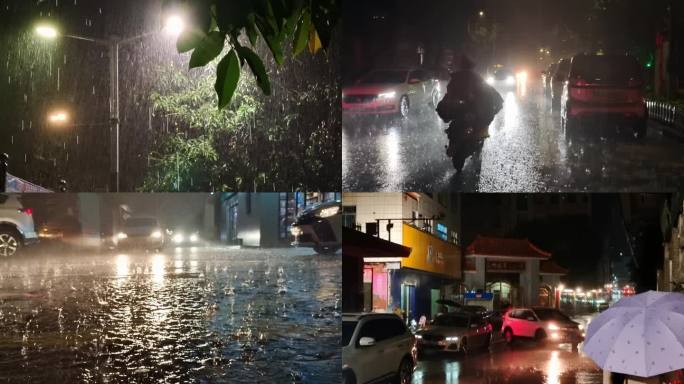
(470, 105)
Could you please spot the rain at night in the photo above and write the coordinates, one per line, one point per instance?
(169, 95)
(170, 288)
(513, 288)
(513, 96)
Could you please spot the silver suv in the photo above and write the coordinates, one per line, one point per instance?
(16, 225)
(376, 347)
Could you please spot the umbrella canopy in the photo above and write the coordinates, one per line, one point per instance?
(640, 335)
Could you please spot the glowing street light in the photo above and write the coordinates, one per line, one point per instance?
(174, 25)
(46, 31)
(58, 117)
(481, 13)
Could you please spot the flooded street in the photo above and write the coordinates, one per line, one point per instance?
(526, 151)
(215, 314)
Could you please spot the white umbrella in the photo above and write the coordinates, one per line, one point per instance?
(640, 335)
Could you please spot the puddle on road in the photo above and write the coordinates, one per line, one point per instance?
(239, 317)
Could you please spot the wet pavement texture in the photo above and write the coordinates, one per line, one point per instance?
(524, 362)
(212, 314)
(526, 152)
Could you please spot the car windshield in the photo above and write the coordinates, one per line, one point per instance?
(452, 321)
(348, 328)
(502, 74)
(141, 222)
(384, 77)
(551, 314)
(606, 68)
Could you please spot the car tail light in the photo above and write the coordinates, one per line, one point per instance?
(27, 211)
(578, 82)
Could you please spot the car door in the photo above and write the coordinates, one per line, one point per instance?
(381, 359)
(529, 323)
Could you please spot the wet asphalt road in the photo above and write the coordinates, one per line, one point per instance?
(522, 362)
(526, 152)
(211, 314)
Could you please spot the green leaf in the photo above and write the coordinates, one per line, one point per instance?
(257, 67)
(210, 47)
(188, 40)
(302, 34)
(227, 76)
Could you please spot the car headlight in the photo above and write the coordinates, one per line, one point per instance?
(419, 336)
(490, 80)
(156, 235)
(510, 80)
(295, 231)
(387, 95)
(327, 212)
(194, 238)
(178, 238)
(581, 327)
(553, 327)
(121, 235)
(452, 339)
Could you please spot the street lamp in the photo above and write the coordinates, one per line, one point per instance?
(58, 117)
(174, 24)
(481, 13)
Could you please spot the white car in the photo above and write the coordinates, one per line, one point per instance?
(541, 324)
(16, 225)
(140, 232)
(376, 347)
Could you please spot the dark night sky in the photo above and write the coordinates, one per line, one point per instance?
(578, 242)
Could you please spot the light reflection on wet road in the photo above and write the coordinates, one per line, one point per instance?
(214, 314)
(526, 152)
(523, 363)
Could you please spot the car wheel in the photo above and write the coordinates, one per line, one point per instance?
(348, 377)
(539, 335)
(508, 336)
(10, 243)
(404, 107)
(405, 374)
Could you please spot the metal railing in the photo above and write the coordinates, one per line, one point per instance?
(667, 114)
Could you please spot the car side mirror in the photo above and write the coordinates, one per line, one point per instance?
(414, 81)
(367, 342)
(531, 318)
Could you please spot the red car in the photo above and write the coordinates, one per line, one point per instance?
(541, 324)
(391, 92)
(605, 87)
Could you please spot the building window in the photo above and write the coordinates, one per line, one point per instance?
(442, 232)
(349, 216)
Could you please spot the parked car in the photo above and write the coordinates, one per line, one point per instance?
(560, 75)
(391, 92)
(17, 229)
(455, 332)
(140, 232)
(319, 227)
(606, 87)
(547, 76)
(501, 78)
(376, 347)
(541, 324)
